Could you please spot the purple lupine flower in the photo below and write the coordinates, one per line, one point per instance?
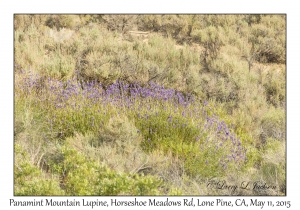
(234, 157)
(170, 118)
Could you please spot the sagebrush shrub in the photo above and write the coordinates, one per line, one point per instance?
(63, 21)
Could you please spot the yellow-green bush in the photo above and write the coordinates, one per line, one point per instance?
(63, 21)
(30, 180)
(81, 176)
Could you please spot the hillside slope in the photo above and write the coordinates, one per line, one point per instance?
(149, 104)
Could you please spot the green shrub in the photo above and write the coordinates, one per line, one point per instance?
(179, 136)
(269, 43)
(273, 124)
(57, 66)
(274, 165)
(23, 22)
(81, 176)
(175, 26)
(63, 21)
(275, 86)
(120, 23)
(29, 179)
(212, 39)
(253, 19)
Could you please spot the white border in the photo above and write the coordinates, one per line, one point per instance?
(8, 8)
